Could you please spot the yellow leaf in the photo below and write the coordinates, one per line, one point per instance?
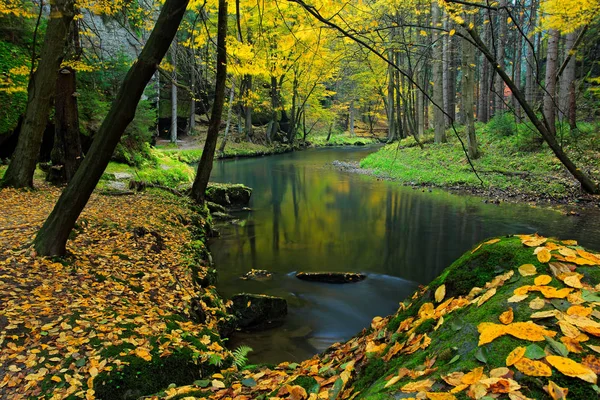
(573, 281)
(515, 355)
(392, 381)
(473, 376)
(579, 310)
(491, 241)
(418, 386)
(426, 311)
(527, 270)
(507, 316)
(440, 396)
(217, 384)
(537, 304)
(56, 378)
(93, 371)
(533, 367)
(517, 298)
(452, 32)
(143, 353)
(555, 391)
(486, 296)
(534, 241)
(544, 255)
(572, 368)
(570, 242)
(440, 293)
(542, 280)
(521, 330)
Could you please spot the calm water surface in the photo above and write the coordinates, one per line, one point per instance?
(307, 216)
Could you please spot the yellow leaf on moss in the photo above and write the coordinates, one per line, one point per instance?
(492, 241)
(533, 367)
(542, 280)
(473, 376)
(579, 310)
(426, 311)
(544, 255)
(569, 242)
(572, 368)
(521, 330)
(533, 241)
(440, 396)
(489, 331)
(393, 380)
(486, 296)
(550, 292)
(527, 270)
(573, 281)
(537, 304)
(515, 355)
(418, 386)
(440, 293)
(507, 316)
(555, 391)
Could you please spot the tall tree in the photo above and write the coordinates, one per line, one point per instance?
(438, 77)
(467, 93)
(40, 92)
(550, 81)
(52, 237)
(208, 154)
(174, 92)
(567, 103)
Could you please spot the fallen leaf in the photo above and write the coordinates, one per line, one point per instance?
(592, 362)
(527, 270)
(418, 386)
(533, 367)
(492, 241)
(515, 355)
(542, 280)
(572, 368)
(486, 296)
(537, 304)
(555, 391)
(580, 311)
(440, 396)
(507, 316)
(473, 376)
(544, 255)
(440, 293)
(573, 281)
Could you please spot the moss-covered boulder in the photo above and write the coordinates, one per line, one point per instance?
(228, 195)
(256, 312)
(516, 317)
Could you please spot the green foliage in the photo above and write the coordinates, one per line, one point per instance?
(12, 56)
(502, 124)
(134, 147)
(240, 354)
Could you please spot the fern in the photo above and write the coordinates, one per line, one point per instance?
(215, 359)
(240, 356)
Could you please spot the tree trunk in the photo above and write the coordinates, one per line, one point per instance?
(206, 161)
(500, 50)
(438, 84)
(228, 123)
(567, 79)
(483, 114)
(41, 89)
(550, 81)
(248, 108)
(531, 71)
(586, 182)
(351, 112)
(52, 237)
(468, 87)
(174, 93)
(390, 103)
(66, 154)
(192, 123)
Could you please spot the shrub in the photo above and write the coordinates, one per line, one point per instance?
(502, 124)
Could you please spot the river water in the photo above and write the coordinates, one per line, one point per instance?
(308, 216)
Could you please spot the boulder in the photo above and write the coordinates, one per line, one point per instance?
(255, 312)
(331, 277)
(228, 195)
(257, 275)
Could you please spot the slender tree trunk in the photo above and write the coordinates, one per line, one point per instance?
(228, 123)
(501, 51)
(567, 79)
(517, 69)
(40, 91)
(390, 103)
(206, 161)
(550, 81)
(438, 85)
(248, 109)
(174, 93)
(52, 237)
(66, 154)
(531, 66)
(468, 88)
(351, 112)
(192, 123)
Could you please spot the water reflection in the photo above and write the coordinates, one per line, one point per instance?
(309, 217)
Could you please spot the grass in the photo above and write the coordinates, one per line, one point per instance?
(506, 149)
(339, 139)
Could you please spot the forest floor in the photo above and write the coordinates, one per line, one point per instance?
(511, 166)
(131, 311)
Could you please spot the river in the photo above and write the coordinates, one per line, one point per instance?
(308, 216)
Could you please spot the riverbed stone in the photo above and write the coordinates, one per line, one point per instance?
(331, 277)
(257, 275)
(228, 194)
(255, 312)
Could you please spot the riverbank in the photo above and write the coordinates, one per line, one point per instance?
(130, 310)
(516, 317)
(512, 167)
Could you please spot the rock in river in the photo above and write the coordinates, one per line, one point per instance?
(255, 312)
(331, 277)
(228, 195)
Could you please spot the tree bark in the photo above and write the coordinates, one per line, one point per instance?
(531, 77)
(567, 79)
(467, 92)
(500, 49)
(41, 89)
(66, 154)
(550, 81)
(174, 93)
(438, 84)
(208, 154)
(228, 123)
(52, 237)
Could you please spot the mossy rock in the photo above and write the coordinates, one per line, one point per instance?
(256, 312)
(228, 195)
(331, 277)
